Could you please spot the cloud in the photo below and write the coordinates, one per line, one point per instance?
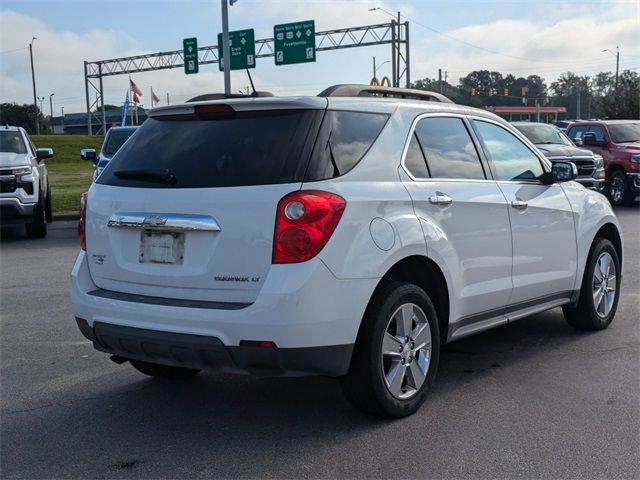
(528, 47)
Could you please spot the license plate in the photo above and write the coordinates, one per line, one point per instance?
(161, 247)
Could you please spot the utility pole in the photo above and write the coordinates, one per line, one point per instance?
(62, 116)
(51, 105)
(578, 114)
(167, 98)
(33, 79)
(440, 80)
(226, 51)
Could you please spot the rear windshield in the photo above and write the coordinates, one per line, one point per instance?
(248, 148)
(11, 142)
(115, 139)
(252, 148)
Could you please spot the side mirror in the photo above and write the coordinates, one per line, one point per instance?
(43, 153)
(589, 139)
(88, 154)
(578, 142)
(564, 171)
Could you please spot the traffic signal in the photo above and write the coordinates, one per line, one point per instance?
(506, 92)
(491, 92)
(473, 92)
(524, 91)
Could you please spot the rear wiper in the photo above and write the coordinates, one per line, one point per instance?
(153, 176)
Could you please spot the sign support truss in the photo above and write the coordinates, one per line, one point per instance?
(393, 33)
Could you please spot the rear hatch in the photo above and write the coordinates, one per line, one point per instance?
(186, 208)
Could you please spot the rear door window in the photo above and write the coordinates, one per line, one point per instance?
(343, 140)
(448, 148)
(218, 150)
(576, 132)
(598, 131)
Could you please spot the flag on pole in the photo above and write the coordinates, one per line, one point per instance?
(125, 109)
(136, 98)
(134, 88)
(154, 98)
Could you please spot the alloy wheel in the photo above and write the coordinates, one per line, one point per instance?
(406, 351)
(604, 284)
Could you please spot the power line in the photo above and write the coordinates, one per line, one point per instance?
(14, 50)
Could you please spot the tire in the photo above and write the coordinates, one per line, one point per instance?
(595, 310)
(38, 227)
(164, 371)
(47, 205)
(374, 383)
(618, 191)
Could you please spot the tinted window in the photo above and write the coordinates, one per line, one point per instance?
(598, 131)
(544, 134)
(11, 141)
(115, 139)
(448, 148)
(344, 138)
(414, 161)
(251, 148)
(512, 159)
(625, 132)
(576, 132)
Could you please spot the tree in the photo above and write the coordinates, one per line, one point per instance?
(23, 116)
(107, 107)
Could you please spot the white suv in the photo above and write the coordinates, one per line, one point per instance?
(347, 235)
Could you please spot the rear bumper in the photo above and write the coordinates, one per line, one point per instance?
(202, 352)
(312, 317)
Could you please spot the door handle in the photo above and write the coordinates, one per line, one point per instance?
(440, 199)
(519, 204)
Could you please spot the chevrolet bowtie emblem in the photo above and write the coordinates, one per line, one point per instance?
(154, 221)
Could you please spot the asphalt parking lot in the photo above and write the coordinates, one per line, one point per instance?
(532, 399)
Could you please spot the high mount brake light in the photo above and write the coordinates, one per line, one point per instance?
(82, 223)
(216, 109)
(305, 221)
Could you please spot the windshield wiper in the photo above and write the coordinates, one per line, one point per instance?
(153, 176)
(628, 141)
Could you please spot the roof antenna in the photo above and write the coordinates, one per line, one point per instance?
(254, 94)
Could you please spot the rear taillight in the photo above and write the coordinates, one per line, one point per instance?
(305, 221)
(82, 235)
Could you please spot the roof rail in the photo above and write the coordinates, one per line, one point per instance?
(222, 96)
(352, 90)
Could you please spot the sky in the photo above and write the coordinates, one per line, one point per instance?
(543, 37)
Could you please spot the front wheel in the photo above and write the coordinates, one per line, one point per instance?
(619, 191)
(600, 289)
(37, 228)
(396, 355)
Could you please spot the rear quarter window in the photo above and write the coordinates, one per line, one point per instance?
(343, 140)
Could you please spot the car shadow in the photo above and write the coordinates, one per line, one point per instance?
(246, 421)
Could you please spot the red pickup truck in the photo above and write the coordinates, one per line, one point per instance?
(618, 141)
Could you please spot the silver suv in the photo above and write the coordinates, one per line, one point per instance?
(25, 195)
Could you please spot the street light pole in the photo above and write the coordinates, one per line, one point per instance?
(51, 105)
(226, 51)
(33, 79)
(617, 55)
(62, 117)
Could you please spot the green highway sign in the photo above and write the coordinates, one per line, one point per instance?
(295, 42)
(242, 46)
(190, 54)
